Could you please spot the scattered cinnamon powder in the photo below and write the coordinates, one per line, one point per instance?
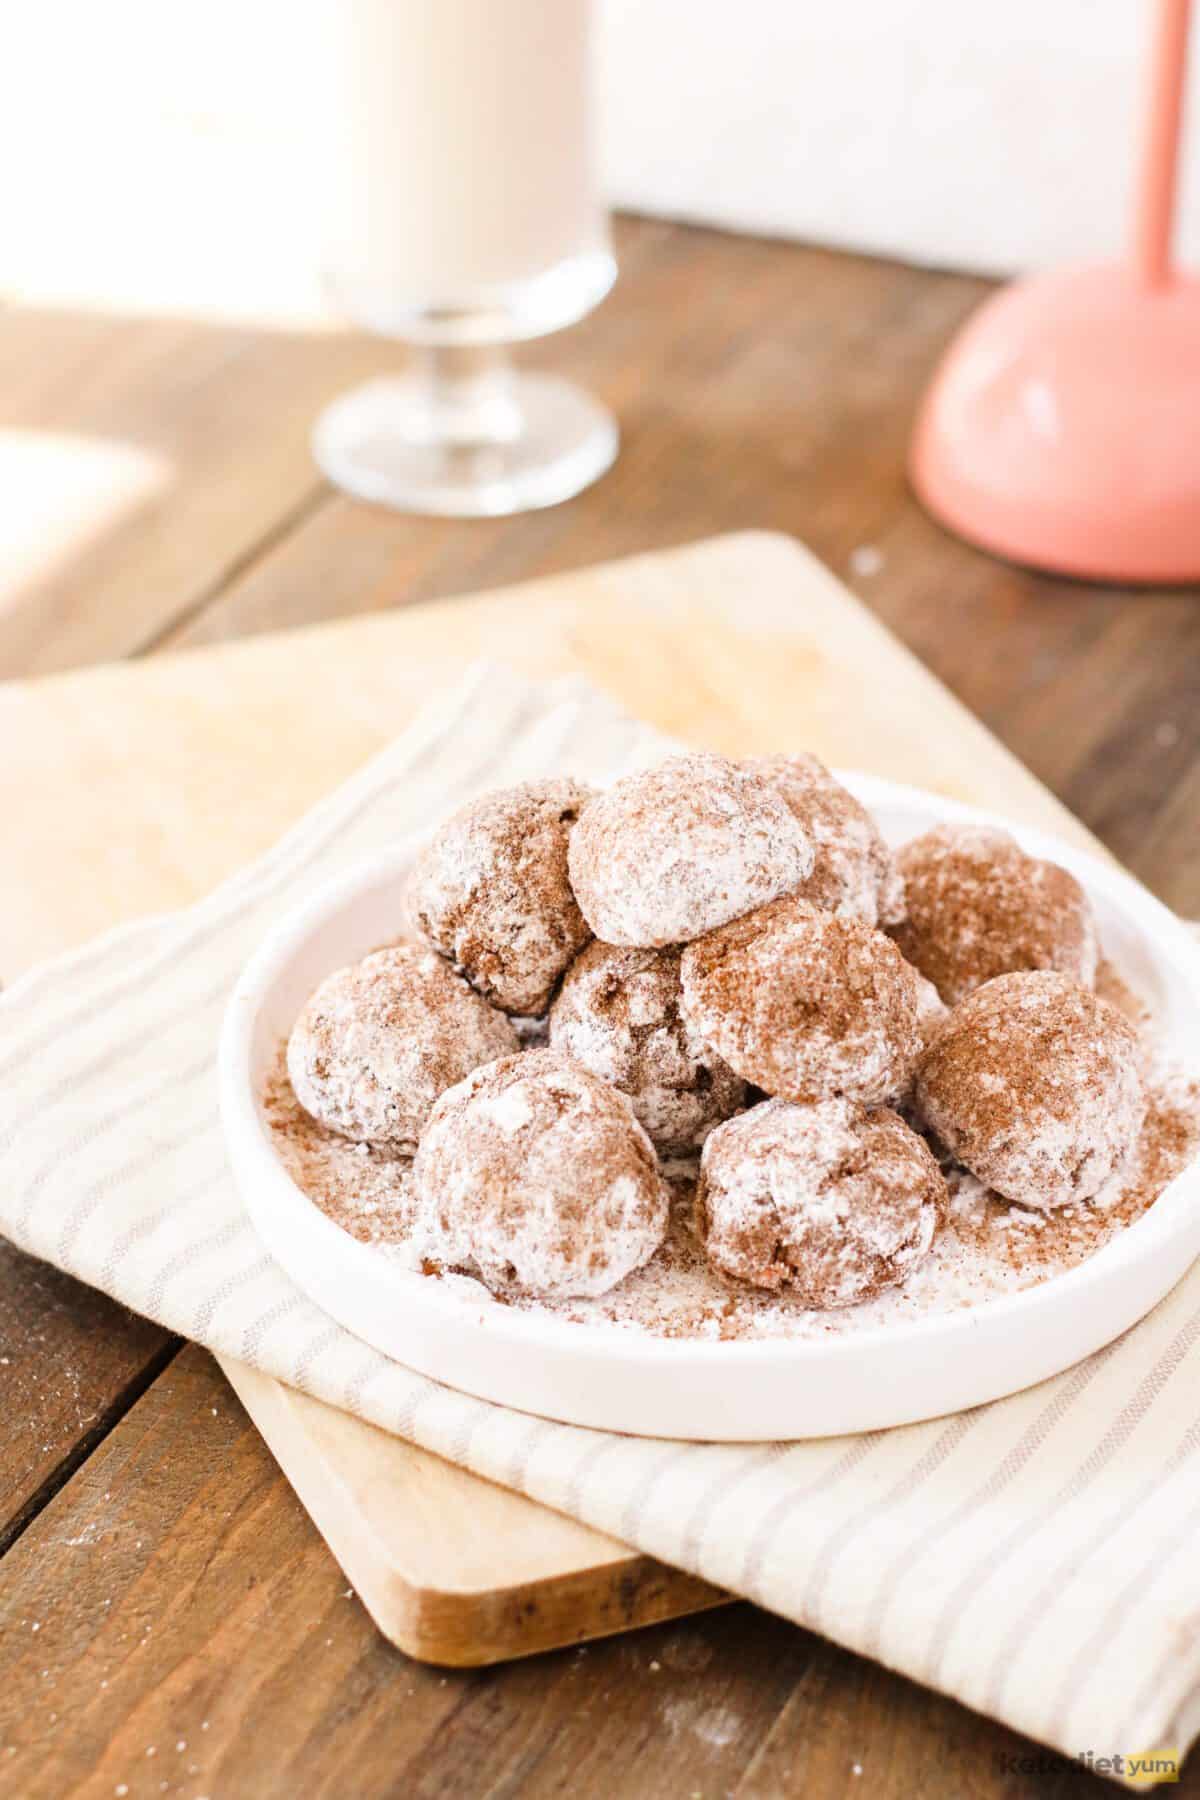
(364, 1188)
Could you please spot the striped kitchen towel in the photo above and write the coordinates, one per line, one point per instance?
(1034, 1557)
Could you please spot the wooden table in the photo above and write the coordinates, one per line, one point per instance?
(209, 1646)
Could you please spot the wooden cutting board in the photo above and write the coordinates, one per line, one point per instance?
(159, 779)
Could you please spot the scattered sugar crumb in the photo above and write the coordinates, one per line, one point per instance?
(866, 561)
(716, 1726)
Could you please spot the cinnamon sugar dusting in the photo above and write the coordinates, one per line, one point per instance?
(619, 1013)
(673, 851)
(978, 906)
(836, 1201)
(536, 1174)
(490, 891)
(854, 873)
(807, 1005)
(379, 1041)
(1034, 1084)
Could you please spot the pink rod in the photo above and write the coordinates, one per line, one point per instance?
(1155, 215)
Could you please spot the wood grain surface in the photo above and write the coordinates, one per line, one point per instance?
(758, 385)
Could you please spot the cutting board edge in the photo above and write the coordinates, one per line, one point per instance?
(463, 1625)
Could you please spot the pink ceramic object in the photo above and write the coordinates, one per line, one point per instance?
(1063, 427)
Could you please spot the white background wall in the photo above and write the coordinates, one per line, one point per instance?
(983, 135)
(161, 153)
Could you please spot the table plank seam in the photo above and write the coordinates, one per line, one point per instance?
(89, 1441)
(242, 564)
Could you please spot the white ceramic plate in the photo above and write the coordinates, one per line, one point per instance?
(598, 1376)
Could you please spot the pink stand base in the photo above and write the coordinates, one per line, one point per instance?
(1063, 427)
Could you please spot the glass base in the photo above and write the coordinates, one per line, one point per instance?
(499, 443)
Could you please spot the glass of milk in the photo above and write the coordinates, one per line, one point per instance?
(462, 215)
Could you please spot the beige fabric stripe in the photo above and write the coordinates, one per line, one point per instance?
(1018, 1637)
(943, 1447)
(416, 1394)
(113, 1118)
(585, 1467)
(226, 1234)
(258, 1327)
(225, 1290)
(73, 1083)
(984, 1568)
(370, 1369)
(1149, 1571)
(643, 1488)
(720, 1489)
(149, 1223)
(95, 1195)
(324, 1339)
(932, 1535)
(765, 1534)
(532, 1434)
(1054, 1590)
(1165, 1671)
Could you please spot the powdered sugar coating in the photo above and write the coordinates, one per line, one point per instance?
(380, 1040)
(978, 907)
(538, 1176)
(807, 1005)
(1034, 1085)
(673, 851)
(833, 1201)
(491, 892)
(854, 873)
(618, 1013)
(931, 1008)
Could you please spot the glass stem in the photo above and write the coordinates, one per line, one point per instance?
(465, 395)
